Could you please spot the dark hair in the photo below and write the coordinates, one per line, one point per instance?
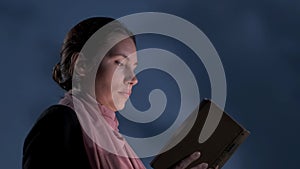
(72, 45)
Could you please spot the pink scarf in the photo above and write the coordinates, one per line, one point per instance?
(106, 148)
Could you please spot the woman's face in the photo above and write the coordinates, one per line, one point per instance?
(115, 77)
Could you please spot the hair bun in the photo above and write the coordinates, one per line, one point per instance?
(56, 74)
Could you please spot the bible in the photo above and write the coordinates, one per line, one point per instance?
(209, 130)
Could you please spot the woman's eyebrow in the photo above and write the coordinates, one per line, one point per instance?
(112, 54)
(125, 56)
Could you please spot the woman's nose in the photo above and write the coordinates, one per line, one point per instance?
(131, 79)
(134, 81)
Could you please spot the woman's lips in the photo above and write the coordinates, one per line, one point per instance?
(126, 94)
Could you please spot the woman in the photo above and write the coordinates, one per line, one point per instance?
(81, 132)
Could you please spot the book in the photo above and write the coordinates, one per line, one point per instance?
(208, 130)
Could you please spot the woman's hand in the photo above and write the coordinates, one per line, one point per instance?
(187, 161)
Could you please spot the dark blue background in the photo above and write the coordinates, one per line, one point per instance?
(257, 40)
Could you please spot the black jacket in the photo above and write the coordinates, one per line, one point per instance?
(55, 141)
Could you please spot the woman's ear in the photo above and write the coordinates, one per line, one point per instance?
(79, 62)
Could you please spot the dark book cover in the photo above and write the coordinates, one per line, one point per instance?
(215, 150)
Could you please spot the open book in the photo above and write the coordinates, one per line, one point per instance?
(209, 130)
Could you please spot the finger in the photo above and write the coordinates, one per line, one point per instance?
(186, 162)
(201, 166)
(217, 167)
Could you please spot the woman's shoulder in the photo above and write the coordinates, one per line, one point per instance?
(54, 139)
(58, 112)
(56, 120)
(56, 123)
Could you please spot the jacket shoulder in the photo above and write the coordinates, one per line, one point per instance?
(55, 138)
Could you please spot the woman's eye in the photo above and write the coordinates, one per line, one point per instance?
(119, 63)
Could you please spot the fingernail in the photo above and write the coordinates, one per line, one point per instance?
(205, 165)
(196, 155)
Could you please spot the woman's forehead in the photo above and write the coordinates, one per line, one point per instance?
(126, 47)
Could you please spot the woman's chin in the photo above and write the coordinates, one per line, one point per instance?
(120, 106)
(119, 103)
